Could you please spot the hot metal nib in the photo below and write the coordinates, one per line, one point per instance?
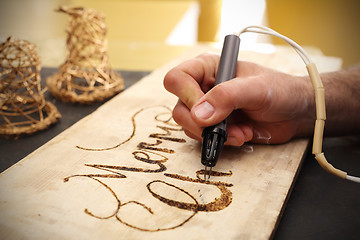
(205, 173)
(213, 141)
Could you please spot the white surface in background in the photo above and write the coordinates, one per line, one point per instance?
(236, 14)
(185, 32)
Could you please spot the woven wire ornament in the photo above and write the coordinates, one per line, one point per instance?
(23, 109)
(86, 75)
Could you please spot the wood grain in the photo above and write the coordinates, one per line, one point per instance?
(127, 171)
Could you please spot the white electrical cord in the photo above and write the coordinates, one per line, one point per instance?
(352, 178)
(265, 30)
(319, 101)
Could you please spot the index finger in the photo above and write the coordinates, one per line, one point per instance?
(191, 79)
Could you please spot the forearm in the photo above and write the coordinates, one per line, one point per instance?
(342, 96)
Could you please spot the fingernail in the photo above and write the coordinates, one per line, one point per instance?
(204, 110)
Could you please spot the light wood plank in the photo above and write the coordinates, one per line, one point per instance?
(45, 196)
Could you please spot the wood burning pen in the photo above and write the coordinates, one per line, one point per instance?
(215, 136)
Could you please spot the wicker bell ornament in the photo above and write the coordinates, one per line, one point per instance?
(86, 76)
(23, 109)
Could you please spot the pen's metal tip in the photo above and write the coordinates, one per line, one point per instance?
(207, 172)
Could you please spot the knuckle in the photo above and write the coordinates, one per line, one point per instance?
(224, 95)
(208, 58)
(178, 116)
(170, 80)
(204, 55)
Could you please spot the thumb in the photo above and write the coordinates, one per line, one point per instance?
(222, 99)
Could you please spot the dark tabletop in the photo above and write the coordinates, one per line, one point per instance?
(320, 206)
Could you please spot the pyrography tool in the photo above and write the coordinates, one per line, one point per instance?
(215, 136)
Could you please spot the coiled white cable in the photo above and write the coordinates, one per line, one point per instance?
(319, 101)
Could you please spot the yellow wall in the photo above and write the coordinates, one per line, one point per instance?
(137, 29)
(331, 25)
(138, 20)
(209, 20)
(127, 20)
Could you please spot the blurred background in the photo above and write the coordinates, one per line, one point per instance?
(141, 31)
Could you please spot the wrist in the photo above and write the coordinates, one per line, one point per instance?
(307, 114)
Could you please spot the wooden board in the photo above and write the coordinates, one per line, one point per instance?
(127, 171)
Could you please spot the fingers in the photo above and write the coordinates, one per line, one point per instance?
(238, 133)
(192, 78)
(238, 93)
(181, 115)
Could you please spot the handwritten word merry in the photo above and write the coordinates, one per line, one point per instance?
(153, 153)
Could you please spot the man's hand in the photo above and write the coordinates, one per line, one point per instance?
(265, 106)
